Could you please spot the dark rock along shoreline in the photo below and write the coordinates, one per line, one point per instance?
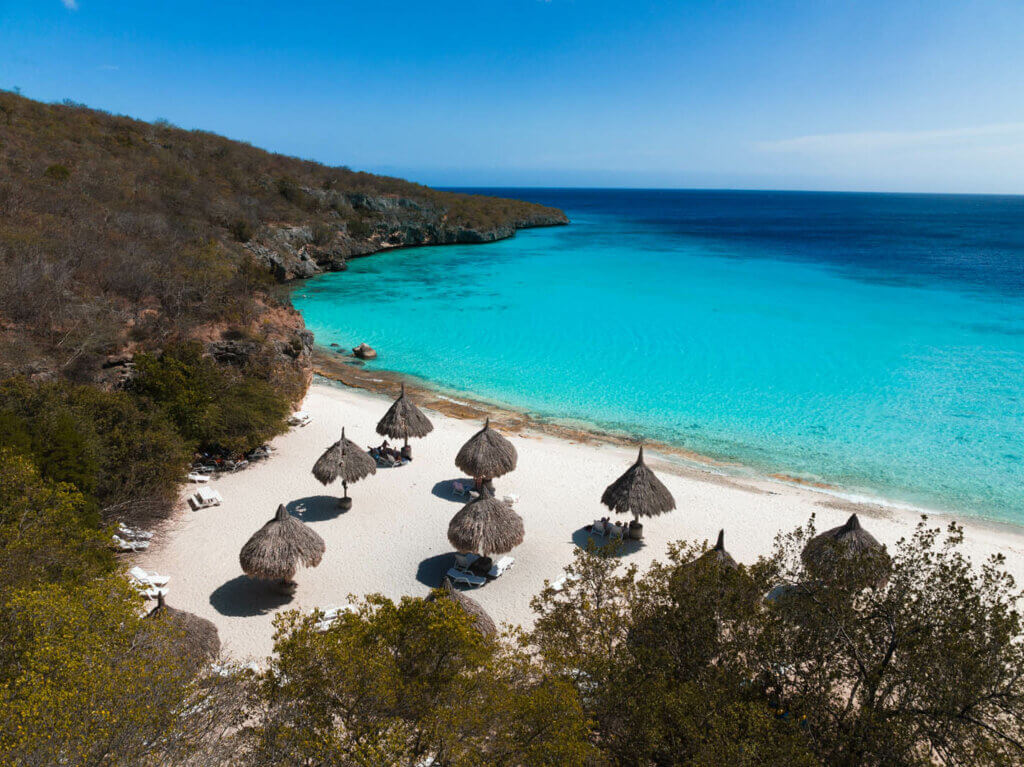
(292, 252)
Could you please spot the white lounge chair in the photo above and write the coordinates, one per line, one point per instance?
(204, 497)
(195, 476)
(148, 579)
(120, 544)
(331, 615)
(464, 561)
(466, 578)
(598, 528)
(132, 534)
(559, 583)
(461, 487)
(299, 418)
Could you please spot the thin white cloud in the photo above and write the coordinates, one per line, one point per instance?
(874, 141)
(71, 5)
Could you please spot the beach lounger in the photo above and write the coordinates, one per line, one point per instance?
(131, 534)
(387, 461)
(465, 578)
(299, 418)
(331, 615)
(465, 562)
(598, 528)
(559, 583)
(120, 544)
(148, 579)
(204, 498)
(195, 476)
(461, 488)
(503, 564)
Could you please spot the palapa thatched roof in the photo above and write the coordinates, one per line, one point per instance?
(275, 551)
(718, 554)
(486, 526)
(404, 420)
(845, 542)
(343, 460)
(198, 636)
(639, 492)
(487, 454)
(481, 620)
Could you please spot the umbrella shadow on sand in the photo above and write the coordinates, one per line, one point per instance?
(244, 597)
(584, 539)
(315, 508)
(443, 489)
(432, 569)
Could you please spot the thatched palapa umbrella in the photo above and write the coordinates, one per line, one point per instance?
(640, 493)
(486, 455)
(824, 554)
(198, 637)
(718, 554)
(345, 461)
(404, 420)
(481, 620)
(275, 551)
(486, 526)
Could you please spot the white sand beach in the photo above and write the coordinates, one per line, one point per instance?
(394, 540)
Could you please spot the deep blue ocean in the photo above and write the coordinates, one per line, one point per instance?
(874, 342)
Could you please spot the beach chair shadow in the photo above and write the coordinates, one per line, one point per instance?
(244, 597)
(583, 537)
(443, 489)
(431, 570)
(315, 508)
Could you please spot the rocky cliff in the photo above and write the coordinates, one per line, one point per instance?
(119, 236)
(297, 251)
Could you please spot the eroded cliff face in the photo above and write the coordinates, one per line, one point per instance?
(296, 252)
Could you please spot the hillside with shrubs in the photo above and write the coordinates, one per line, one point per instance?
(140, 288)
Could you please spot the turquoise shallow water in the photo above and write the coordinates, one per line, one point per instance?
(899, 375)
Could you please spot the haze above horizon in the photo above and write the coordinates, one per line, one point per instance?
(868, 96)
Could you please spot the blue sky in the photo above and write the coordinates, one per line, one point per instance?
(868, 95)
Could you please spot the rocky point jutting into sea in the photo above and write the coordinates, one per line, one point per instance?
(119, 237)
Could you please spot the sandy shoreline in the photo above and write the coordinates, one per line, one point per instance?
(394, 540)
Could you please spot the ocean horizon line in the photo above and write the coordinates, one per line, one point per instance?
(731, 190)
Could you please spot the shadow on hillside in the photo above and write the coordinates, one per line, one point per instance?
(432, 569)
(583, 539)
(244, 597)
(315, 508)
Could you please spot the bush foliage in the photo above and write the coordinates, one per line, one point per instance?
(211, 405)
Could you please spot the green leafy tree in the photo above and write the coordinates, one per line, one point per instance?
(124, 457)
(927, 668)
(211, 405)
(85, 681)
(655, 664)
(47, 533)
(399, 683)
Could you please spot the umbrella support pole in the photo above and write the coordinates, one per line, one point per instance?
(406, 450)
(636, 530)
(345, 503)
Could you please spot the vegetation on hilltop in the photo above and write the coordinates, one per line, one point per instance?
(116, 233)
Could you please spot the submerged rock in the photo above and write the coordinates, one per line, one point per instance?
(365, 352)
